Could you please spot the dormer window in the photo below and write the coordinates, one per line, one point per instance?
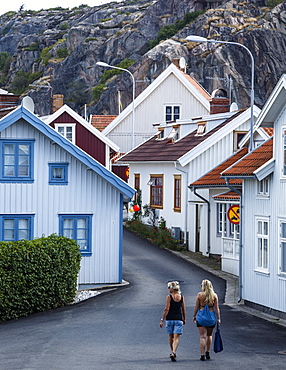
(201, 128)
(67, 130)
(174, 134)
(172, 112)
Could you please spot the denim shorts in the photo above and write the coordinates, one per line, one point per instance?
(174, 327)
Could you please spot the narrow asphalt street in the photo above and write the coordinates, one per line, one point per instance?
(120, 329)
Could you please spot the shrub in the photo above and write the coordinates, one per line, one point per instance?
(168, 31)
(160, 235)
(22, 80)
(62, 52)
(37, 275)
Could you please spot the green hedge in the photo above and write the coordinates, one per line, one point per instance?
(37, 275)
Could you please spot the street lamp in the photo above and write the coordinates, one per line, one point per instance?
(195, 38)
(102, 64)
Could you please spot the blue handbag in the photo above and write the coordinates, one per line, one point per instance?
(218, 347)
(205, 317)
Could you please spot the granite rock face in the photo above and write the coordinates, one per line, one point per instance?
(63, 46)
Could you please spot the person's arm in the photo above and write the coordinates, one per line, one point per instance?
(217, 309)
(184, 311)
(197, 305)
(165, 312)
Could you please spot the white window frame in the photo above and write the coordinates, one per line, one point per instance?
(263, 188)
(173, 114)
(282, 248)
(284, 152)
(65, 126)
(262, 239)
(224, 228)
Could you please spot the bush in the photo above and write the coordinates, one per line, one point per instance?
(160, 235)
(22, 80)
(37, 275)
(168, 31)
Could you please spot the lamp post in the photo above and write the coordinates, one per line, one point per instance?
(195, 38)
(102, 64)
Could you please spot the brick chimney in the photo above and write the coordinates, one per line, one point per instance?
(219, 102)
(58, 101)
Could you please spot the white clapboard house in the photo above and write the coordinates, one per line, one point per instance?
(262, 268)
(49, 185)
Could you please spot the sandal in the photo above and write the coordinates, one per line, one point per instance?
(173, 356)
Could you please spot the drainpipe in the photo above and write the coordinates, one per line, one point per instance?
(186, 201)
(240, 240)
(208, 218)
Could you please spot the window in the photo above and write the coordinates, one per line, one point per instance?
(263, 187)
(16, 227)
(156, 191)
(177, 193)
(172, 112)
(262, 236)
(78, 228)
(224, 227)
(238, 136)
(137, 187)
(283, 247)
(17, 160)
(201, 129)
(284, 149)
(58, 173)
(67, 130)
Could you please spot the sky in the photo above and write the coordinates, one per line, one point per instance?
(14, 5)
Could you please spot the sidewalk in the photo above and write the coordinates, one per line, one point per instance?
(231, 297)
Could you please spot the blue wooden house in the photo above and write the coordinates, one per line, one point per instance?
(49, 185)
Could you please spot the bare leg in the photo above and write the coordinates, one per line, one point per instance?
(203, 339)
(171, 339)
(209, 339)
(176, 339)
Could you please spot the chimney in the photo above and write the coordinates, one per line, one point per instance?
(58, 101)
(219, 102)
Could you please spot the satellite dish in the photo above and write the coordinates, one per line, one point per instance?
(233, 107)
(182, 63)
(28, 103)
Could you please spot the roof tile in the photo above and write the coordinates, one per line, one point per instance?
(251, 162)
(101, 121)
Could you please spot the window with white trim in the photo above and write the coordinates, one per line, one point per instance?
(67, 130)
(224, 227)
(16, 227)
(282, 267)
(262, 244)
(263, 187)
(177, 193)
(284, 152)
(17, 160)
(172, 112)
(78, 228)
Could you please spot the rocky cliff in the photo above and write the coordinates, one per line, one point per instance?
(59, 48)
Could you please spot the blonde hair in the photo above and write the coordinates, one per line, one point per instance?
(208, 292)
(175, 286)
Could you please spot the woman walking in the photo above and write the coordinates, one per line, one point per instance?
(206, 313)
(175, 315)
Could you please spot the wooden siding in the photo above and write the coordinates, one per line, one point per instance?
(152, 110)
(85, 139)
(266, 289)
(86, 193)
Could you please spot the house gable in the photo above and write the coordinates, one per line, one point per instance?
(29, 117)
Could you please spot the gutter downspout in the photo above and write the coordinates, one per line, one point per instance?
(186, 201)
(208, 218)
(240, 240)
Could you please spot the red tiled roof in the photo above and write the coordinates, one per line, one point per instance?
(269, 130)
(101, 121)
(229, 195)
(197, 86)
(214, 179)
(251, 162)
(164, 150)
